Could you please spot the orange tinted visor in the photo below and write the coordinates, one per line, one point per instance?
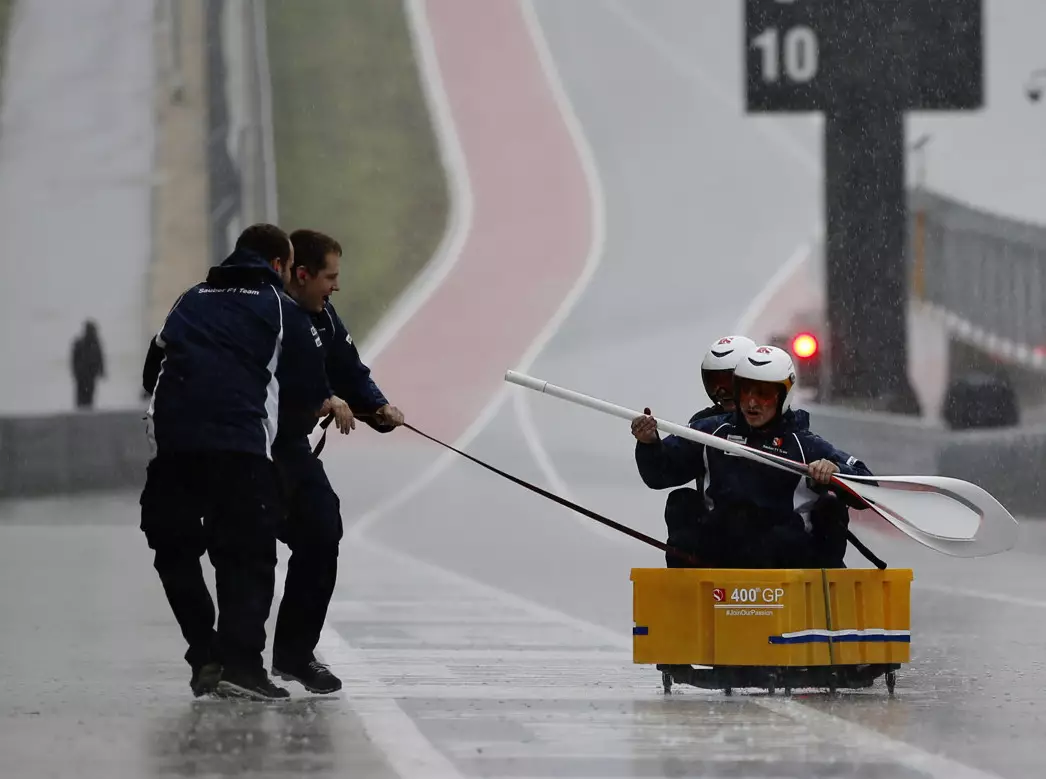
(720, 380)
(762, 391)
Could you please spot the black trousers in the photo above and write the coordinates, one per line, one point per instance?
(85, 386)
(226, 504)
(312, 528)
(736, 539)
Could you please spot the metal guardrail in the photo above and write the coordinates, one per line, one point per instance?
(1007, 463)
(984, 273)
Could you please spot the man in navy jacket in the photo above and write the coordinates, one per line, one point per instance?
(234, 355)
(313, 526)
(755, 516)
(685, 504)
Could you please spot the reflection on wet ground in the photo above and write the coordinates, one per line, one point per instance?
(232, 738)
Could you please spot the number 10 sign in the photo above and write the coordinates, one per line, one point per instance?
(816, 55)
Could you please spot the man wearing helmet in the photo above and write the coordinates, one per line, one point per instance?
(717, 374)
(754, 516)
(685, 505)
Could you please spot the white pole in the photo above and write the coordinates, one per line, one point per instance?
(666, 427)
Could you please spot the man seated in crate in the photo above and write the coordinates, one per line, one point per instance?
(755, 516)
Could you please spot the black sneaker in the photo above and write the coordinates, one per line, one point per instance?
(255, 685)
(205, 679)
(313, 675)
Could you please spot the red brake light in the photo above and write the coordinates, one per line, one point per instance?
(804, 345)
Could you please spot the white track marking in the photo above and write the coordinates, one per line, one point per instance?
(871, 744)
(777, 136)
(997, 597)
(712, 86)
(390, 728)
(460, 197)
(595, 254)
(781, 277)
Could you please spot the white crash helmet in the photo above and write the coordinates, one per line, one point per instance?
(723, 355)
(768, 363)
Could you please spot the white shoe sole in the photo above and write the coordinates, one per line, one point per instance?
(292, 678)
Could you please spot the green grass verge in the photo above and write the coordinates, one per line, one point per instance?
(356, 156)
(6, 6)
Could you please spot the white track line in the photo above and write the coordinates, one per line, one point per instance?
(997, 597)
(355, 532)
(597, 247)
(870, 744)
(777, 136)
(713, 87)
(394, 732)
(455, 167)
(520, 401)
(531, 608)
(592, 261)
(412, 755)
(390, 728)
(781, 277)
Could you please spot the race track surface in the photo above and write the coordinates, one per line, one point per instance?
(482, 631)
(447, 676)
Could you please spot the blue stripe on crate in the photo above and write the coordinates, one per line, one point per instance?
(870, 635)
(637, 631)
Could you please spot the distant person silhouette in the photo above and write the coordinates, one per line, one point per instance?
(88, 363)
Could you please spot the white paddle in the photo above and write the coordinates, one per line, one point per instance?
(940, 502)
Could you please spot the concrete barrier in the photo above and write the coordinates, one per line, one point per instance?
(889, 444)
(72, 453)
(84, 452)
(1007, 463)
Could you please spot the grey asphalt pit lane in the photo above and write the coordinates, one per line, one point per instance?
(300, 737)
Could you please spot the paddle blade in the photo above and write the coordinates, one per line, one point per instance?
(950, 515)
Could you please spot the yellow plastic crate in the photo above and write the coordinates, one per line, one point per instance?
(774, 617)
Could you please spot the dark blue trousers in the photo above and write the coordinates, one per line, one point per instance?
(312, 529)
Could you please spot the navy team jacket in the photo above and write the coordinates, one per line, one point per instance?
(731, 483)
(349, 377)
(350, 380)
(234, 359)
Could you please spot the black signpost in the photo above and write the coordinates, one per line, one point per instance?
(864, 63)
